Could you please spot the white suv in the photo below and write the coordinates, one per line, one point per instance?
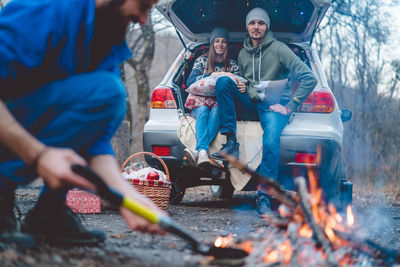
(316, 124)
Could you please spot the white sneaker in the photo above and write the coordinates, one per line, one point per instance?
(191, 156)
(203, 157)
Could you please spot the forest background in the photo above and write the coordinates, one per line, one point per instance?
(358, 43)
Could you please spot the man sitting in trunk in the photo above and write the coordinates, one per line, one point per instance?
(262, 59)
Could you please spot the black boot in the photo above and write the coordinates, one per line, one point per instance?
(53, 222)
(9, 235)
(263, 204)
(231, 148)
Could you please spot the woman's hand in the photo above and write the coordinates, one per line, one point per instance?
(280, 109)
(241, 86)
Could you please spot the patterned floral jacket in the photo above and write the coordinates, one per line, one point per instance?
(198, 73)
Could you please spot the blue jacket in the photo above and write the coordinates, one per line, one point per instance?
(47, 40)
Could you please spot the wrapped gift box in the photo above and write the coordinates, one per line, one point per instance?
(83, 202)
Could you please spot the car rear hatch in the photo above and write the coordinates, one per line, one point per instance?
(293, 21)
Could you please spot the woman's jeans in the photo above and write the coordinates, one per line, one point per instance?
(234, 105)
(81, 112)
(207, 124)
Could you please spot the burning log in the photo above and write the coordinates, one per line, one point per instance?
(281, 223)
(308, 231)
(293, 229)
(389, 255)
(274, 189)
(319, 234)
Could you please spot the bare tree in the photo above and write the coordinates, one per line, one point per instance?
(141, 40)
(351, 43)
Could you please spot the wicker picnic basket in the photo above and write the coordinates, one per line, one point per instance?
(157, 192)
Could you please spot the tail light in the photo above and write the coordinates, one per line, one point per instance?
(163, 98)
(319, 101)
(162, 150)
(306, 158)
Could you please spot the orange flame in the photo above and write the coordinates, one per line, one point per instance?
(305, 231)
(286, 250)
(272, 256)
(350, 216)
(247, 246)
(284, 210)
(312, 180)
(223, 241)
(330, 225)
(338, 218)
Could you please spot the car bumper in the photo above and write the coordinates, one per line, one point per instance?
(329, 151)
(329, 148)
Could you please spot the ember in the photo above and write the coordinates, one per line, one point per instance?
(350, 216)
(310, 232)
(223, 241)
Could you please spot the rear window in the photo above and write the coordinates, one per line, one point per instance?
(201, 16)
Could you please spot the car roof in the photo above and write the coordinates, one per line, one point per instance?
(292, 21)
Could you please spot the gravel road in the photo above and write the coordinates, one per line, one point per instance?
(206, 217)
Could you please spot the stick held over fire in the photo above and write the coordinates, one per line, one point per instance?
(274, 189)
(115, 198)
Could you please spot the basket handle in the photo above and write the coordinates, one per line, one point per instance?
(149, 154)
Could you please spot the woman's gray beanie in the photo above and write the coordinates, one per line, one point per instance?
(219, 33)
(257, 13)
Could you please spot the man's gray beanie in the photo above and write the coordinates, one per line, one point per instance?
(219, 33)
(257, 13)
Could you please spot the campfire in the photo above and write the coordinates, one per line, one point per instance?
(307, 231)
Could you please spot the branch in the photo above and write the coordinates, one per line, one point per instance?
(381, 252)
(308, 216)
(292, 230)
(273, 187)
(281, 223)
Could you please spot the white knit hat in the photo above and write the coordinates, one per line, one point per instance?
(257, 13)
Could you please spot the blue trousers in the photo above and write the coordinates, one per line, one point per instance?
(81, 112)
(207, 125)
(234, 105)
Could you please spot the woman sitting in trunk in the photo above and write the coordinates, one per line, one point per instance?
(204, 108)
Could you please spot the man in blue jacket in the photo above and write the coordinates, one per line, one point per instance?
(61, 100)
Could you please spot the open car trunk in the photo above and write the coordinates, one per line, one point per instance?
(292, 21)
(234, 49)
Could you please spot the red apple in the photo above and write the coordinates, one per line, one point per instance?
(152, 176)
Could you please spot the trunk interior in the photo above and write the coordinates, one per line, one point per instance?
(234, 49)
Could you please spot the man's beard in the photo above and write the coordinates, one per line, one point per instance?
(110, 29)
(258, 38)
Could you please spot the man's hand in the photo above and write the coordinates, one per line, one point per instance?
(280, 109)
(54, 166)
(107, 167)
(137, 223)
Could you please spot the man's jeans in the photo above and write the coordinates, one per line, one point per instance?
(81, 112)
(207, 124)
(234, 105)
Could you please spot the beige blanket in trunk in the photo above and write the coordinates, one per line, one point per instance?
(249, 136)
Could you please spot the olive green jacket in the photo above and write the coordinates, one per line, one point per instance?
(274, 60)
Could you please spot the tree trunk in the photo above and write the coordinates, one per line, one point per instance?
(142, 82)
(142, 45)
